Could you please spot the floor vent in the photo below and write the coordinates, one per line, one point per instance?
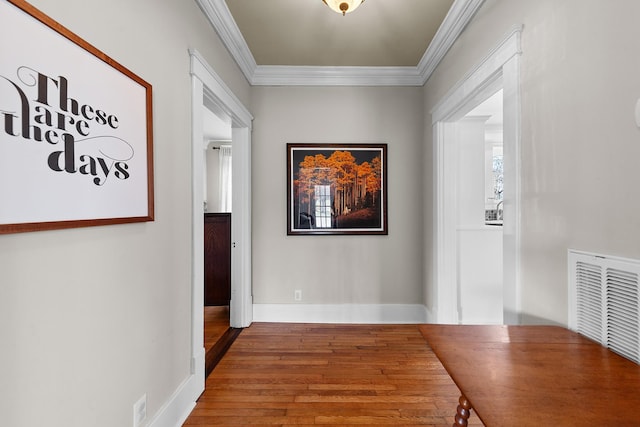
(604, 301)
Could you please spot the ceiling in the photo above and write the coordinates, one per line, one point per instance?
(303, 42)
(306, 32)
(215, 128)
(289, 42)
(491, 108)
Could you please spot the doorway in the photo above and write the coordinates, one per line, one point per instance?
(217, 208)
(499, 71)
(478, 152)
(210, 94)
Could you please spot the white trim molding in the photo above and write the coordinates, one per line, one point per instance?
(220, 17)
(218, 14)
(207, 86)
(218, 92)
(341, 313)
(276, 75)
(453, 24)
(478, 77)
(177, 408)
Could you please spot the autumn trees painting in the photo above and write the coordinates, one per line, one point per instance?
(336, 189)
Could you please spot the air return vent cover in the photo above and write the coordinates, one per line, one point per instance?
(604, 301)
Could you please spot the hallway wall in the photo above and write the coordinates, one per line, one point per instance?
(580, 144)
(337, 269)
(93, 318)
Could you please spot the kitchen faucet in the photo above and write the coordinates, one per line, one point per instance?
(499, 212)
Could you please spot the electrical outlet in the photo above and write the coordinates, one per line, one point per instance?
(140, 411)
(297, 295)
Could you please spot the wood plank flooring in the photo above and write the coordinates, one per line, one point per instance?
(216, 323)
(319, 374)
(218, 335)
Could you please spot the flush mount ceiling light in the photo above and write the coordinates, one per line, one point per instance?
(343, 6)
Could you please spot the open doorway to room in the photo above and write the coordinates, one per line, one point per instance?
(462, 203)
(479, 200)
(209, 94)
(217, 207)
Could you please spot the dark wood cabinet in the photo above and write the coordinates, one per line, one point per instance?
(217, 258)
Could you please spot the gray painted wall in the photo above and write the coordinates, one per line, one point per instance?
(337, 269)
(92, 318)
(580, 145)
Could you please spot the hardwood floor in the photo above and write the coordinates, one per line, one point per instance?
(218, 335)
(318, 374)
(216, 323)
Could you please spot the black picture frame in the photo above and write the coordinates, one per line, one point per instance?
(337, 189)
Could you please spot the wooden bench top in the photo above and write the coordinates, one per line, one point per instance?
(537, 376)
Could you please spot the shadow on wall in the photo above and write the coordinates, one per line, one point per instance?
(529, 319)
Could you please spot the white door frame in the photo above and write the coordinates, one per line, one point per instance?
(500, 68)
(208, 88)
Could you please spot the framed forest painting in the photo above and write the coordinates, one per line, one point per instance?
(336, 189)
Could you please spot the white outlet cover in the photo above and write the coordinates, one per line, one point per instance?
(637, 113)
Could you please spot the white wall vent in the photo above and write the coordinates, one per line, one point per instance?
(604, 301)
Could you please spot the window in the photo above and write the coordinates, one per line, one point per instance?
(498, 173)
(323, 206)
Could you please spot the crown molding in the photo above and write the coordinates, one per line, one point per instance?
(222, 21)
(220, 18)
(275, 75)
(453, 24)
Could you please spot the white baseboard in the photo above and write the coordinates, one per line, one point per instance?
(340, 313)
(176, 410)
(431, 317)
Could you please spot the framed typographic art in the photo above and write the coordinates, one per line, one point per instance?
(76, 144)
(336, 189)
